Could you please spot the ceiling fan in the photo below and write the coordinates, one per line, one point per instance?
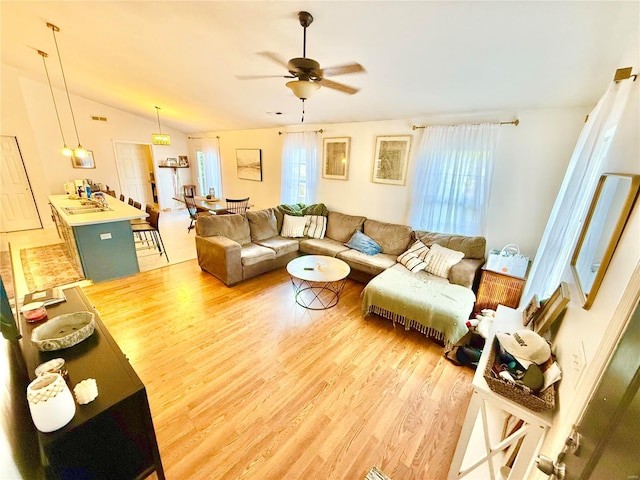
(308, 75)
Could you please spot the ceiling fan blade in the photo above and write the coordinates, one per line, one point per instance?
(338, 86)
(258, 77)
(352, 67)
(274, 57)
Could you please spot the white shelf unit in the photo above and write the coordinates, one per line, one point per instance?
(482, 451)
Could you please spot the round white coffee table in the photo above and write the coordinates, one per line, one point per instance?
(317, 280)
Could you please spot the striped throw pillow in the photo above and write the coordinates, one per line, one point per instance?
(316, 226)
(413, 258)
(440, 259)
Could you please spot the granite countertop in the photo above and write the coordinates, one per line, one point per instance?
(118, 211)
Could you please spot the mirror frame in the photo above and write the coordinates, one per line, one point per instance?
(588, 298)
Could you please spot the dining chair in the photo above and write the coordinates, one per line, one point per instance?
(194, 211)
(130, 201)
(121, 197)
(189, 190)
(237, 205)
(137, 205)
(153, 229)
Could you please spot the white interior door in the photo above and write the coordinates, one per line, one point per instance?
(133, 160)
(19, 211)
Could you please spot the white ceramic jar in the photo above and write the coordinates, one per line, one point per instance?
(50, 401)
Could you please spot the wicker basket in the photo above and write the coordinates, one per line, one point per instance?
(545, 400)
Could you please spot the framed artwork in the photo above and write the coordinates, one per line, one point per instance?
(249, 163)
(552, 308)
(335, 159)
(86, 162)
(391, 159)
(531, 310)
(183, 160)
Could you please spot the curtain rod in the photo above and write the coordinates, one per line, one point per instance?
(314, 131)
(200, 138)
(515, 122)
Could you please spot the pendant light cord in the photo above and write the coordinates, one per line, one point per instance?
(55, 107)
(64, 78)
(158, 116)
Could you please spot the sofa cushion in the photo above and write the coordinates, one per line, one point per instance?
(340, 227)
(316, 226)
(440, 259)
(362, 243)
(233, 226)
(253, 254)
(325, 246)
(472, 247)
(280, 245)
(369, 264)
(392, 237)
(262, 224)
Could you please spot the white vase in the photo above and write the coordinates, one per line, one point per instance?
(50, 402)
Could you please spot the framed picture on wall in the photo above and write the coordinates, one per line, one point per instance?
(391, 159)
(552, 308)
(335, 158)
(86, 162)
(249, 164)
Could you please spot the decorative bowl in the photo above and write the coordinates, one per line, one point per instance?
(63, 331)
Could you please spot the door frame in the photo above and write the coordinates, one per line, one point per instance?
(153, 162)
(26, 173)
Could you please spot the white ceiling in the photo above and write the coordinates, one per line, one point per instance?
(422, 58)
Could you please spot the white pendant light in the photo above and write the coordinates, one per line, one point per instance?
(160, 138)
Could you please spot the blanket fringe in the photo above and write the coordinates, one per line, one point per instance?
(409, 323)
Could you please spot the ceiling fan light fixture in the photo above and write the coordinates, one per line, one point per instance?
(303, 89)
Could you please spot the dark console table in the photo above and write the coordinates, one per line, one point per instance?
(113, 436)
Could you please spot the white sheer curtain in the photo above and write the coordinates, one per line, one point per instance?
(299, 168)
(575, 193)
(211, 166)
(453, 179)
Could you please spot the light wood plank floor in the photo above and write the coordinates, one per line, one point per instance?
(245, 384)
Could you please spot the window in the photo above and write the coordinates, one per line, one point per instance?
(453, 179)
(299, 168)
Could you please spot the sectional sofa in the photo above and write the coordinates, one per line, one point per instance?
(236, 247)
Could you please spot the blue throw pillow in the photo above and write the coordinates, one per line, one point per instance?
(362, 243)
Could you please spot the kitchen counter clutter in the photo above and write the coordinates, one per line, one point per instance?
(71, 211)
(98, 238)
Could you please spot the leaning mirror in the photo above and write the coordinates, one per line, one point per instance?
(610, 208)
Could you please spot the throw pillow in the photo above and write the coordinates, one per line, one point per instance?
(413, 258)
(440, 259)
(293, 227)
(360, 242)
(412, 262)
(316, 226)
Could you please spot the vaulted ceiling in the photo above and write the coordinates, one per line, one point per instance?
(422, 58)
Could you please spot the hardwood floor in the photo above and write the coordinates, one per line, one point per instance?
(245, 384)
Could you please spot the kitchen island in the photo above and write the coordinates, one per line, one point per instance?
(99, 242)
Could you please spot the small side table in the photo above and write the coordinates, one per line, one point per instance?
(485, 420)
(499, 289)
(317, 280)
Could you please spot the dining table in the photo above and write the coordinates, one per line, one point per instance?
(211, 205)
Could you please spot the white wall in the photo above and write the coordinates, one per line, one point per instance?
(27, 112)
(593, 327)
(530, 164)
